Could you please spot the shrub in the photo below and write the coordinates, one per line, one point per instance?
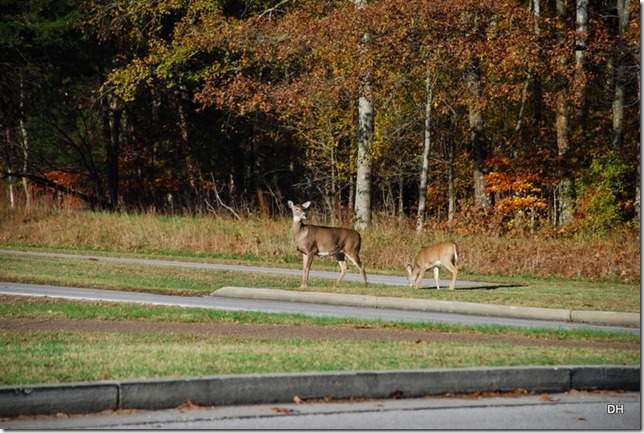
(599, 191)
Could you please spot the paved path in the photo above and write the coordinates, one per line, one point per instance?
(283, 306)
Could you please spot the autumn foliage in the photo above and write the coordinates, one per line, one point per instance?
(235, 106)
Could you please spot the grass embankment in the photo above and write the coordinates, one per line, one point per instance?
(34, 357)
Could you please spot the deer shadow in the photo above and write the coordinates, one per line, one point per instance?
(492, 286)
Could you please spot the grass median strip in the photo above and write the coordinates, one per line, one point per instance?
(47, 357)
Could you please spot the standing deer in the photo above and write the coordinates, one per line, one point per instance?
(314, 241)
(434, 256)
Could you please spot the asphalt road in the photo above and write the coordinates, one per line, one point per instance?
(560, 411)
(310, 309)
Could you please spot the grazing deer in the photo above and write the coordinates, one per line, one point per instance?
(314, 241)
(433, 256)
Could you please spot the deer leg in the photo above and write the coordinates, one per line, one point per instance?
(343, 271)
(420, 277)
(454, 270)
(436, 272)
(359, 265)
(307, 259)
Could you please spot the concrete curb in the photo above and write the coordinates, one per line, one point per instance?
(562, 315)
(221, 390)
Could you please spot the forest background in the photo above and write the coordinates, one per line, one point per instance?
(500, 117)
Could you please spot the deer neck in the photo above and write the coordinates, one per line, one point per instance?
(298, 228)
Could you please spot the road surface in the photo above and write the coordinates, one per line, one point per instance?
(572, 410)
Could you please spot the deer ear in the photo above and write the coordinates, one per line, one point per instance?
(290, 204)
(306, 205)
(409, 269)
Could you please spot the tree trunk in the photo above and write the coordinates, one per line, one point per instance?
(623, 12)
(582, 33)
(565, 189)
(335, 199)
(424, 171)
(365, 139)
(363, 177)
(581, 58)
(10, 179)
(115, 107)
(477, 134)
(638, 204)
(192, 170)
(537, 94)
(401, 190)
(450, 182)
(24, 142)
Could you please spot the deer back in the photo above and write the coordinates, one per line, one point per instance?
(443, 252)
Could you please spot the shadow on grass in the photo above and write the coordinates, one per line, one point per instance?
(486, 287)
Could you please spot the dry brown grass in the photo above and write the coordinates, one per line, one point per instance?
(387, 245)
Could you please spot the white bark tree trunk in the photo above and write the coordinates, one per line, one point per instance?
(365, 138)
(10, 179)
(424, 171)
(363, 176)
(582, 32)
(24, 142)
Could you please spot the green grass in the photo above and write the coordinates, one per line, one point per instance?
(125, 276)
(44, 357)
(602, 296)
